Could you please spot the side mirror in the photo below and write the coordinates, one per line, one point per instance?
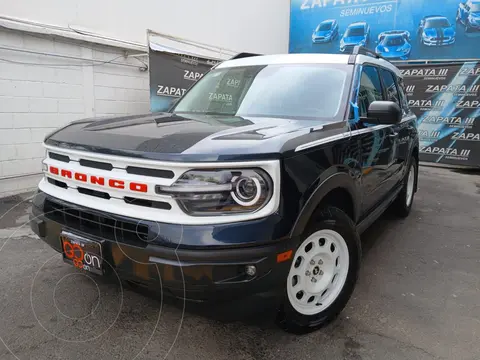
(384, 113)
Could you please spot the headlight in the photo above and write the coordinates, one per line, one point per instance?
(45, 166)
(386, 50)
(221, 192)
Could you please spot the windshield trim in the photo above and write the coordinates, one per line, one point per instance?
(246, 116)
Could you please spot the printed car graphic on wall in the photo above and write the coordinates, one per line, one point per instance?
(436, 30)
(404, 33)
(468, 14)
(325, 32)
(394, 45)
(357, 33)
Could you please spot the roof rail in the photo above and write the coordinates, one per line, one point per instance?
(360, 50)
(244, 55)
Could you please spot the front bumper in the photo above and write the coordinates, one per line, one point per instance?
(395, 56)
(208, 274)
(438, 42)
(321, 40)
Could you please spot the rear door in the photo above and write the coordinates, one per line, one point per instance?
(396, 138)
(376, 143)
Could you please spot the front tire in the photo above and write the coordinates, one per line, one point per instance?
(404, 201)
(323, 273)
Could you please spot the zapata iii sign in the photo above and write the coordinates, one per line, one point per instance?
(395, 29)
(446, 100)
(172, 74)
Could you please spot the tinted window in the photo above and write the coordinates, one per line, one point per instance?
(357, 31)
(370, 89)
(437, 23)
(394, 41)
(403, 95)
(390, 86)
(324, 27)
(293, 91)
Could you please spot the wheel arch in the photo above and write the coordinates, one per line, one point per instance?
(338, 190)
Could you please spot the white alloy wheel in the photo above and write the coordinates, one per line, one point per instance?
(410, 185)
(318, 272)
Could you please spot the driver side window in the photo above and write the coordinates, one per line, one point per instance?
(370, 89)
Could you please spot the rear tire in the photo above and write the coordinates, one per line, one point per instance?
(330, 253)
(404, 201)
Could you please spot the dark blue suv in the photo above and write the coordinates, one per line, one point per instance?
(240, 193)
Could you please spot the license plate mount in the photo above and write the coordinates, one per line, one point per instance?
(84, 254)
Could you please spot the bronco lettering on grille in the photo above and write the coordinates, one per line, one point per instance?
(99, 180)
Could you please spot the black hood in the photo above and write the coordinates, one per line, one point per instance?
(192, 137)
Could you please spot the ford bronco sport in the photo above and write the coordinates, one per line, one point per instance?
(256, 184)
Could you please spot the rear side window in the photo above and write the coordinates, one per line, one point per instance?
(403, 95)
(370, 89)
(390, 86)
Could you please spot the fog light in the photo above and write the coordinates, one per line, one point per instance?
(251, 270)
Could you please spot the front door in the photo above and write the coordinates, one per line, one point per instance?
(378, 143)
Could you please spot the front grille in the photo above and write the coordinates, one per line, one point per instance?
(97, 224)
(90, 192)
(167, 174)
(96, 164)
(59, 157)
(57, 183)
(147, 203)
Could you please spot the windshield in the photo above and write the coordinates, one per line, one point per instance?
(437, 23)
(356, 31)
(297, 91)
(394, 41)
(324, 27)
